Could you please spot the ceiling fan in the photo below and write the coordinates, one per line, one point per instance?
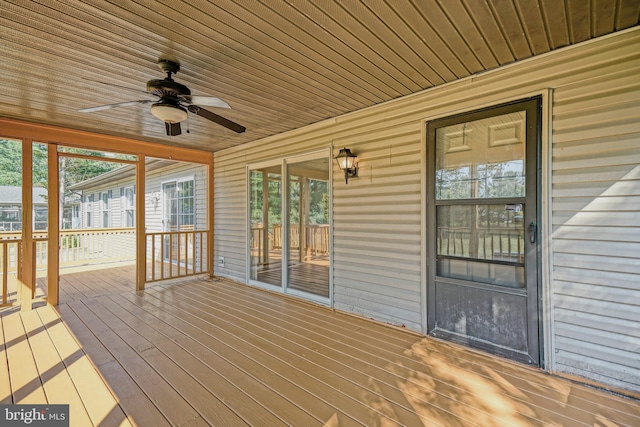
(174, 99)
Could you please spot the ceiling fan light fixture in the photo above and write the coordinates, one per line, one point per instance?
(169, 113)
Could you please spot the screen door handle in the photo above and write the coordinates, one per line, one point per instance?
(532, 232)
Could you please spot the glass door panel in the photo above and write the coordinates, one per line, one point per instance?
(265, 231)
(308, 237)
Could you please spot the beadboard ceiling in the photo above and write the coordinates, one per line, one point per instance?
(280, 64)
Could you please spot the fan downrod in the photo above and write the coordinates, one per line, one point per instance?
(169, 66)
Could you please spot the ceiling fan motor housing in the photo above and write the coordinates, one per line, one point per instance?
(167, 88)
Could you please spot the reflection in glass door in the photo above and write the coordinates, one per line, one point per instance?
(308, 236)
(265, 230)
(483, 284)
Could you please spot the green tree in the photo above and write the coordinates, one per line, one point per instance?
(11, 164)
(71, 170)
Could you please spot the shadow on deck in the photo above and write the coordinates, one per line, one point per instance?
(203, 351)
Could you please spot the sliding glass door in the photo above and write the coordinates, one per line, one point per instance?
(289, 245)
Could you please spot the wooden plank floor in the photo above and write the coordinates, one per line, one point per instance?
(203, 351)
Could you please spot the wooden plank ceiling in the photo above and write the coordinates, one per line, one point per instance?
(280, 64)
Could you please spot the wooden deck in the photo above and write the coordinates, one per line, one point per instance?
(211, 352)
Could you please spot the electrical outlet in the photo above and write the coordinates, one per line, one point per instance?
(220, 261)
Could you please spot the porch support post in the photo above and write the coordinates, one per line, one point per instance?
(28, 271)
(141, 238)
(210, 216)
(53, 225)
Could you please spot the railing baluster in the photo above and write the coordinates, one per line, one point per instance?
(153, 257)
(193, 253)
(201, 247)
(5, 272)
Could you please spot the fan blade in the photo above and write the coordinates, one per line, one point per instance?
(208, 101)
(109, 106)
(173, 129)
(216, 118)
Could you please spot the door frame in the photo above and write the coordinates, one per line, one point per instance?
(535, 306)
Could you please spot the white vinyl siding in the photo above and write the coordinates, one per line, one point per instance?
(596, 231)
(153, 197)
(179, 171)
(98, 208)
(590, 176)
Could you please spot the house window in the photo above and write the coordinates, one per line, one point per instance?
(89, 211)
(40, 218)
(129, 206)
(179, 205)
(105, 209)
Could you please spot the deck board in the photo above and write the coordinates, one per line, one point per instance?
(202, 351)
(265, 333)
(322, 343)
(25, 382)
(240, 347)
(546, 395)
(5, 382)
(251, 375)
(177, 410)
(56, 382)
(99, 401)
(251, 399)
(175, 366)
(324, 347)
(134, 403)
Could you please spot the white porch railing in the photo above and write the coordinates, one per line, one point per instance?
(77, 247)
(169, 254)
(10, 257)
(173, 254)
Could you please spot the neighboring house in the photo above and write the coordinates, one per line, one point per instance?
(11, 208)
(175, 201)
(71, 212)
(175, 198)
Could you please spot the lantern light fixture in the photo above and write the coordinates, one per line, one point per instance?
(347, 163)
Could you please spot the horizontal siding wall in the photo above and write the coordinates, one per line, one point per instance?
(117, 203)
(178, 171)
(378, 217)
(153, 184)
(596, 228)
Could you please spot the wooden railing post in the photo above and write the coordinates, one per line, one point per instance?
(53, 226)
(141, 239)
(27, 282)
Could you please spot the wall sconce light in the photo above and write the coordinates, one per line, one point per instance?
(155, 198)
(347, 162)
